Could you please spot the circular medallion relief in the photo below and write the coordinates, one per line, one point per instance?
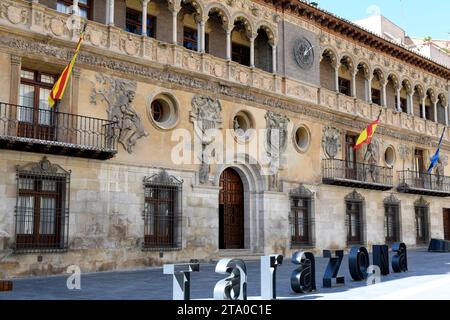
(304, 53)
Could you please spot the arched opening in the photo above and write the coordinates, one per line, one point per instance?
(345, 76)
(188, 30)
(231, 210)
(406, 101)
(362, 76)
(429, 112)
(328, 70)
(263, 50)
(441, 105)
(240, 41)
(215, 28)
(391, 91)
(376, 86)
(417, 101)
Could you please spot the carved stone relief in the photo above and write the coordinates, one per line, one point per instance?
(331, 141)
(119, 96)
(275, 144)
(371, 157)
(206, 114)
(440, 168)
(171, 77)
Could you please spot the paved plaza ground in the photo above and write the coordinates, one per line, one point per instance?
(428, 278)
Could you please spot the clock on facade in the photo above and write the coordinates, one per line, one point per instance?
(304, 53)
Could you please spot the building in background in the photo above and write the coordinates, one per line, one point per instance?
(437, 50)
(99, 182)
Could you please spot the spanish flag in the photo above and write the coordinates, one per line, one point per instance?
(60, 85)
(367, 134)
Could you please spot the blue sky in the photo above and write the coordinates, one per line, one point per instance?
(419, 18)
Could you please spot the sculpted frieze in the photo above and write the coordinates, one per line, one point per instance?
(119, 95)
(39, 48)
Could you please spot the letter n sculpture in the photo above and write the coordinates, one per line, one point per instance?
(333, 268)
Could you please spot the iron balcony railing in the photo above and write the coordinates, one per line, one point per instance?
(355, 174)
(424, 183)
(30, 129)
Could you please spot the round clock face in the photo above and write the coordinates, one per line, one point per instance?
(304, 53)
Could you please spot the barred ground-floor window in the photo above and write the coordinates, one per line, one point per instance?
(302, 217)
(162, 212)
(392, 219)
(42, 207)
(421, 208)
(354, 220)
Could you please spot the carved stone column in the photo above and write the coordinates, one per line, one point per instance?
(383, 86)
(446, 115)
(274, 57)
(228, 31)
(336, 77)
(16, 65)
(398, 100)
(448, 106)
(144, 16)
(76, 72)
(75, 8)
(174, 9)
(369, 89)
(252, 50)
(354, 82)
(435, 111)
(423, 107)
(410, 103)
(111, 13)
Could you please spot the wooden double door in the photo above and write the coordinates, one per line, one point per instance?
(446, 224)
(231, 211)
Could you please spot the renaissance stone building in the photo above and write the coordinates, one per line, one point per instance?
(95, 182)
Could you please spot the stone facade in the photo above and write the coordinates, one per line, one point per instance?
(107, 197)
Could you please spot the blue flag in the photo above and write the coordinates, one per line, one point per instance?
(434, 159)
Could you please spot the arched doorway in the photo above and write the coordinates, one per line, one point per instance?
(231, 210)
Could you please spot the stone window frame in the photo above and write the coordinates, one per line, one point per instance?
(393, 201)
(303, 193)
(421, 203)
(294, 137)
(37, 173)
(356, 198)
(172, 104)
(155, 186)
(248, 117)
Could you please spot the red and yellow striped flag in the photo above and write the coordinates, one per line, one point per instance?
(61, 84)
(366, 135)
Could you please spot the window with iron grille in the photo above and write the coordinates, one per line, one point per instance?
(301, 217)
(42, 207)
(392, 219)
(354, 204)
(162, 212)
(421, 208)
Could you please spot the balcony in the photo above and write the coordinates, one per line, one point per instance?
(356, 175)
(46, 131)
(424, 183)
